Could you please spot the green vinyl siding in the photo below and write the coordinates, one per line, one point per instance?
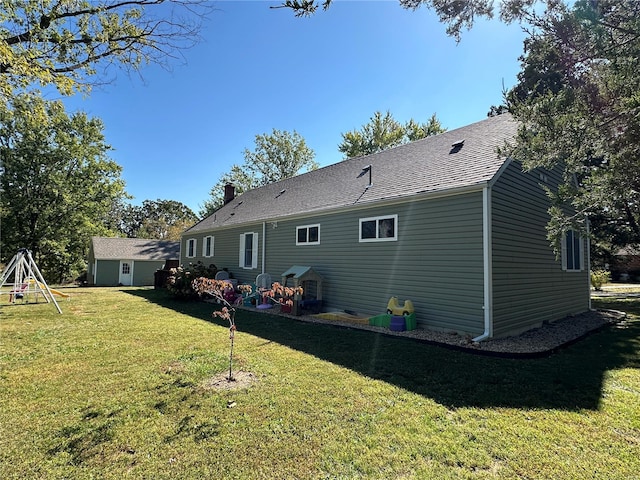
(108, 272)
(436, 261)
(144, 270)
(226, 251)
(529, 285)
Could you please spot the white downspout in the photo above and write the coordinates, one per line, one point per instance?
(487, 263)
(264, 246)
(588, 224)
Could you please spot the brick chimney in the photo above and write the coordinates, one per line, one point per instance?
(229, 193)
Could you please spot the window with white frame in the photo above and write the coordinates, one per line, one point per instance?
(308, 235)
(191, 248)
(248, 250)
(379, 229)
(207, 246)
(572, 253)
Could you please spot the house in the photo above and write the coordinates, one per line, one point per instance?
(626, 264)
(442, 221)
(127, 261)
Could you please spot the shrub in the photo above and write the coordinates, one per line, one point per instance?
(179, 282)
(599, 278)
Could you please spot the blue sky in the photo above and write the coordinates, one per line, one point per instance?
(176, 132)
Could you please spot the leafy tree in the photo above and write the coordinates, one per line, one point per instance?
(161, 218)
(174, 231)
(72, 43)
(579, 106)
(122, 219)
(497, 110)
(276, 156)
(57, 183)
(384, 131)
(456, 14)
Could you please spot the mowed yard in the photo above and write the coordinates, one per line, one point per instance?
(118, 386)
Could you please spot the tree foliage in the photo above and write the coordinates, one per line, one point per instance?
(384, 131)
(457, 15)
(276, 156)
(58, 183)
(72, 43)
(578, 102)
(159, 219)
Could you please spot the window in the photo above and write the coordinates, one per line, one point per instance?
(249, 250)
(572, 251)
(207, 246)
(379, 229)
(126, 268)
(308, 235)
(191, 248)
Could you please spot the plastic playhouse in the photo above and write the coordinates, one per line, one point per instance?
(311, 283)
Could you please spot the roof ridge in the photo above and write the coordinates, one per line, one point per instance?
(429, 164)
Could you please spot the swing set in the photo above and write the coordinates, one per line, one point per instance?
(22, 279)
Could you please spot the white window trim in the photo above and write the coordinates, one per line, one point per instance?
(254, 251)
(204, 246)
(307, 227)
(564, 255)
(381, 217)
(195, 245)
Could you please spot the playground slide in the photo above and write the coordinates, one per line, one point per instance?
(54, 291)
(58, 292)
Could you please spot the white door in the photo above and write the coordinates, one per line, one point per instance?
(126, 272)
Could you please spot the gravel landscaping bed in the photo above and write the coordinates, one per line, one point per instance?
(534, 343)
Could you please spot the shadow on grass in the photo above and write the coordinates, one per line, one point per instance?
(84, 440)
(569, 380)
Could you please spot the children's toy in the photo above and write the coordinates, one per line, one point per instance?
(394, 309)
(398, 317)
(397, 323)
(229, 293)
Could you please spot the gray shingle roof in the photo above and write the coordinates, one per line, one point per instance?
(428, 165)
(105, 248)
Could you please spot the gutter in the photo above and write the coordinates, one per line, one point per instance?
(487, 263)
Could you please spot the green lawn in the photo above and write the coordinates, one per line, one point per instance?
(115, 388)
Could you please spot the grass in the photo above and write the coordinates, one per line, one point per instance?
(621, 288)
(115, 388)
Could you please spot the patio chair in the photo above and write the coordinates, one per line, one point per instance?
(222, 275)
(263, 283)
